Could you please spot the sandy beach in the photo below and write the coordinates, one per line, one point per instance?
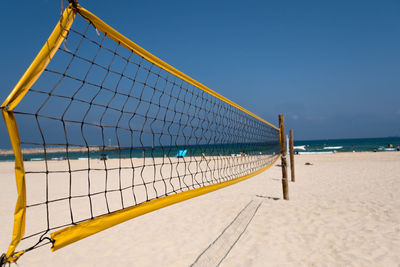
(344, 210)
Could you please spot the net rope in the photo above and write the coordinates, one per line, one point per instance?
(104, 129)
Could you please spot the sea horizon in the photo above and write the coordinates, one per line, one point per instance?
(347, 138)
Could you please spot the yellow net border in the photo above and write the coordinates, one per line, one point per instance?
(74, 233)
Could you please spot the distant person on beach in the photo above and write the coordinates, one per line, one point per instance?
(397, 148)
(374, 150)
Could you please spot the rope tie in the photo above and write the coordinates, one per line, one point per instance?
(3, 260)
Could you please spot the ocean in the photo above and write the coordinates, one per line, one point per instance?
(270, 148)
(303, 146)
(349, 145)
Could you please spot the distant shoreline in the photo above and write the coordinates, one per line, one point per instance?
(346, 139)
(10, 152)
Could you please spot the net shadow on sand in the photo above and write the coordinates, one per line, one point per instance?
(219, 249)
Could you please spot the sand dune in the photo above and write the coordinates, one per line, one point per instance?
(344, 211)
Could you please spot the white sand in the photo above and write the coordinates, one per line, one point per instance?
(344, 211)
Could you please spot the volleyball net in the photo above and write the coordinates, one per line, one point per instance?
(103, 131)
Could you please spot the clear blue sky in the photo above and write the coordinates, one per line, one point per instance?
(332, 67)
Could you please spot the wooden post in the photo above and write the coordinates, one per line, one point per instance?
(291, 149)
(285, 185)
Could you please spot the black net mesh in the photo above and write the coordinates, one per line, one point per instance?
(104, 129)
